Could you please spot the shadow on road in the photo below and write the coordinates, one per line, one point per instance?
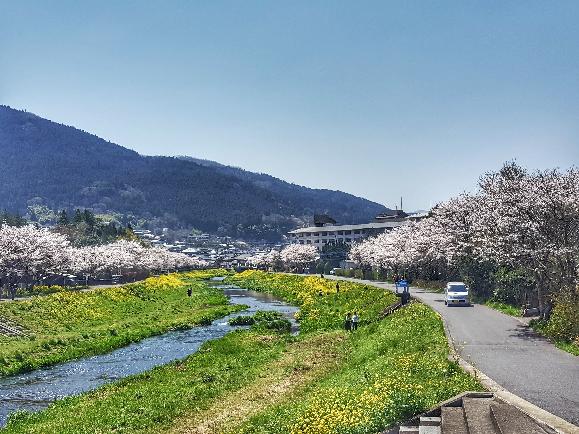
(527, 333)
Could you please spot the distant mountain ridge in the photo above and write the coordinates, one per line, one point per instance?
(58, 166)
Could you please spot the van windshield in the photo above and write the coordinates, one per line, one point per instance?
(457, 288)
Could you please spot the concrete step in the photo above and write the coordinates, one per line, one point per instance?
(429, 425)
(511, 420)
(429, 429)
(477, 413)
(408, 430)
(429, 421)
(453, 421)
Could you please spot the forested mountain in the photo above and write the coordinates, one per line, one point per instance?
(50, 166)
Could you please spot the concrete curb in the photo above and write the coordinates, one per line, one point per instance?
(548, 420)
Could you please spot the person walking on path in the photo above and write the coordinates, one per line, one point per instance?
(348, 322)
(405, 296)
(337, 287)
(355, 321)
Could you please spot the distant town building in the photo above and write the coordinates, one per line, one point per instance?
(326, 231)
(331, 234)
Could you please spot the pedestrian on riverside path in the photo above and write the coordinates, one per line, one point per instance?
(348, 322)
(355, 321)
(405, 296)
(189, 291)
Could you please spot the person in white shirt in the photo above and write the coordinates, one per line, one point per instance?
(355, 321)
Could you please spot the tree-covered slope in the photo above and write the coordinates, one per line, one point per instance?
(58, 166)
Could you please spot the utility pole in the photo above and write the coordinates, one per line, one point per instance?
(401, 208)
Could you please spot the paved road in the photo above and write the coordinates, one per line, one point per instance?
(510, 353)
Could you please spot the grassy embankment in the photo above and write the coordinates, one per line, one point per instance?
(67, 325)
(323, 381)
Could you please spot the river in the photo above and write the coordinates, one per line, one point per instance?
(36, 390)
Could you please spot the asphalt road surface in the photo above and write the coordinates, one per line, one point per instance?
(510, 353)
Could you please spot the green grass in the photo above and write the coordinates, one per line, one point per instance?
(325, 380)
(565, 345)
(570, 347)
(505, 308)
(68, 325)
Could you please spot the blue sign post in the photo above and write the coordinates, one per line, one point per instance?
(405, 293)
(402, 283)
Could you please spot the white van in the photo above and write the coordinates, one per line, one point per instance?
(456, 294)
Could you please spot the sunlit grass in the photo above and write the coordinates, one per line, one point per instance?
(67, 325)
(505, 308)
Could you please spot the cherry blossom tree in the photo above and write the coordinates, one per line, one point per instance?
(531, 221)
(265, 260)
(29, 254)
(299, 255)
(525, 221)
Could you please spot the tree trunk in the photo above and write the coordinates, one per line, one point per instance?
(540, 294)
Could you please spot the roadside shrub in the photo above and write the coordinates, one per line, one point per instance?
(242, 320)
(512, 286)
(278, 325)
(564, 322)
(263, 320)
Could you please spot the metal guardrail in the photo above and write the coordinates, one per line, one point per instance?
(7, 330)
(391, 309)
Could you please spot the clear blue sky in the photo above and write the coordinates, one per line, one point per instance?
(380, 99)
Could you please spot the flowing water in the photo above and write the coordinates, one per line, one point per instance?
(33, 391)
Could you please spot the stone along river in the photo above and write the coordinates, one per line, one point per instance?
(36, 390)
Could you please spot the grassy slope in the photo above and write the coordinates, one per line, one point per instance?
(390, 369)
(68, 325)
(325, 380)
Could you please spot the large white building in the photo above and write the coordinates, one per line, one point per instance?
(319, 236)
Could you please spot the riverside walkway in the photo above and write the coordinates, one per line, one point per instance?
(509, 352)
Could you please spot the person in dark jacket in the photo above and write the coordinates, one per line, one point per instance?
(405, 296)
